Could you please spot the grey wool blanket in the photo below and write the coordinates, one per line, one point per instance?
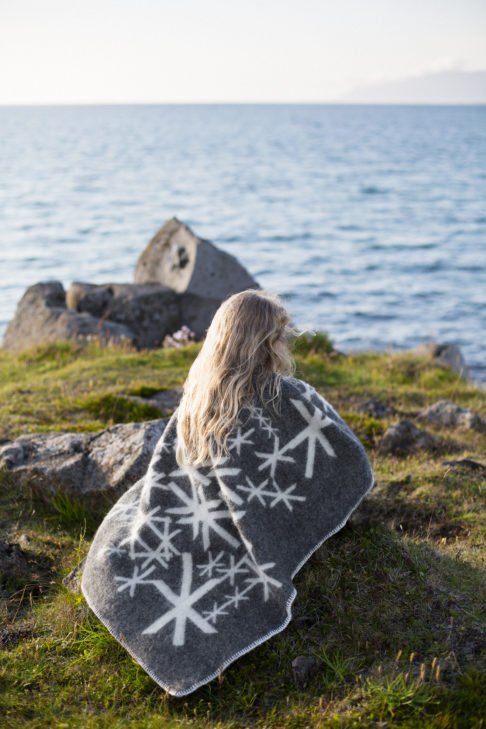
(192, 568)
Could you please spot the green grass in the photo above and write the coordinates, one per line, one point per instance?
(391, 608)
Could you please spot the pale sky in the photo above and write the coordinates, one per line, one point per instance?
(117, 51)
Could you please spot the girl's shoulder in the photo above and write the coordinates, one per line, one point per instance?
(292, 386)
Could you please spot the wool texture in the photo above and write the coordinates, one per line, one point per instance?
(193, 567)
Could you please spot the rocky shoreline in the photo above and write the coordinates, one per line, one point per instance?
(179, 279)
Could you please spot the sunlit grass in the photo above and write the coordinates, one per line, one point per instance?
(391, 608)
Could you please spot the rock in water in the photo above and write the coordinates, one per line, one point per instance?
(180, 279)
(149, 311)
(42, 316)
(83, 463)
(177, 258)
(93, 298)
(443, 355)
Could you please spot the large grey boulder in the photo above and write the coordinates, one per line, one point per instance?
(149, 311)
(445, 412)
(93, 298)
(110, 460)
(177, 258)
(180, 279)
(42, 316)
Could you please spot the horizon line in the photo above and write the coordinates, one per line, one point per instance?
(240, 103)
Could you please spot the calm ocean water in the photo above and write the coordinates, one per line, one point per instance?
(370, 221)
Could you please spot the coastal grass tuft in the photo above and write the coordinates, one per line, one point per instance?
(111, 408)
(391, 608)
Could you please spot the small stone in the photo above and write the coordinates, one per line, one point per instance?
(404, 437)
(24, 540)
(72, 581)
(466, 463)
(303, 669)
(376, 409)
(13, 560)
(445, 412)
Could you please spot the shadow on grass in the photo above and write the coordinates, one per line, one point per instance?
(394, 627)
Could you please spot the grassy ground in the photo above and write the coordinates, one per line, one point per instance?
(392, 607)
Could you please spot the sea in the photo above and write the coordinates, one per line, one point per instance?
(369, 221)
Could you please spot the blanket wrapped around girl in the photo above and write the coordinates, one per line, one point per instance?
(193, 566)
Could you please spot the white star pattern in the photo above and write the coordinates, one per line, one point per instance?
(200, 512)
(110, 549)
(211, 564)
(240, 439)
(263, 422)
(202, 509)
(153, 480)
(263, 579)
(233, 570)
(212, 615)
(306, 391)
(286, 497)
(124, 511)
(272, 459)
(236, 598)
(134, 580)
(274, 496)
(217, 472)
(182, 609)
(257, 492)
(312, 433)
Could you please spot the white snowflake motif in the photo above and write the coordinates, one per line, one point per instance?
(253, 491)
(124, 511)
(275, 495)
(210, 565)
(235, 599)
(312, 433)
(203, 514)
(286, 497)
(218, 472)
(233, 570)
(196, 477)
(111, 548)
(183, 603)
(306, 391)
(136, 579)
(272, 459)
(138, 547)
(240, 439)
(262, 578)
(264, 423)
(153, 480)
(213, 614)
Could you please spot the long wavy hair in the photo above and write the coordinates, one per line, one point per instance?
(243, 357)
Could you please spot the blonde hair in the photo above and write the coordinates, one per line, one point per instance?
(239, 360)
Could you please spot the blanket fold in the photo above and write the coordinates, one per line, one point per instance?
(193, 567)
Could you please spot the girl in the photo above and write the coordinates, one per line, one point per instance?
(193, 566)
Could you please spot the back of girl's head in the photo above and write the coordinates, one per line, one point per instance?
(243, 356)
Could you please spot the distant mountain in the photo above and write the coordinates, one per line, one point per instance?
(441, 87)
